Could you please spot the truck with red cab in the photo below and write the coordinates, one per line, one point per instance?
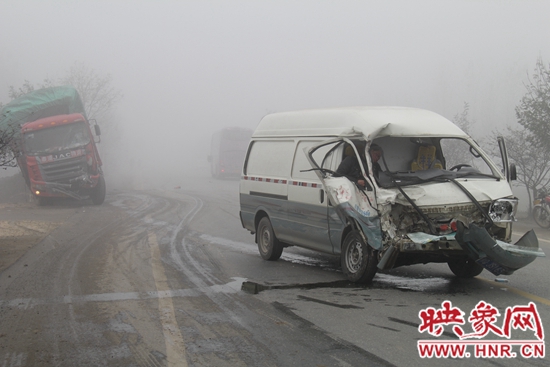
(54, 145)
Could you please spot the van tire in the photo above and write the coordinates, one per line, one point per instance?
(465, 268)
(358, 259)
(269, 246)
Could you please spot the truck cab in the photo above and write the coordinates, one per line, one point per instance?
(61, 158)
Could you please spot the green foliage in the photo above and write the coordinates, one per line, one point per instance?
(529, 145)
(533, 112)
(532, 163)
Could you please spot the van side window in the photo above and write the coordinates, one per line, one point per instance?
(269, 158)
(302, 164)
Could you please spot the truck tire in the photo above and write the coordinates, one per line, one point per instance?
(465, 268)
(269, 246)
(98, 194)
(358, 259)
(44, 201)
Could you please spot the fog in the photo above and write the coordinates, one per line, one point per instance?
(189, 68)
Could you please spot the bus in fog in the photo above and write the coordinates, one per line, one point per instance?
(227, 151)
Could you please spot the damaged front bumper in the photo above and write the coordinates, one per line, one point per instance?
(496, 256)
(76, 188)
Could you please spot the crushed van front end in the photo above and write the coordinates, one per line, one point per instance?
(456, 234)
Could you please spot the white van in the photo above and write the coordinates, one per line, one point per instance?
(438, 198)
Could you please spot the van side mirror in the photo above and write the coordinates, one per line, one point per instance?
(97, 130)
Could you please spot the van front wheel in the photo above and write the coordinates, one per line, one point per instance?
(358, 259)
(465, 268)
(269, 246)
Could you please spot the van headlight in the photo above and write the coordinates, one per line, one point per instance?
(503, 210)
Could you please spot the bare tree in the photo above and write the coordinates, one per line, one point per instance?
(454, 149)
(7, 158)
(462, 120)
(27, 87)
(96, 91)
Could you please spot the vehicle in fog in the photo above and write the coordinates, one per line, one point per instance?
(438, 198)
(227, 151)
(54, 145)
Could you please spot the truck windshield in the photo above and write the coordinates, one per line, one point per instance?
(56, 139)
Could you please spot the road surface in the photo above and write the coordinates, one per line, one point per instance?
(166, 276)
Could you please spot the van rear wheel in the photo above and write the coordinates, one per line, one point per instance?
(269, 246)
(358, 259)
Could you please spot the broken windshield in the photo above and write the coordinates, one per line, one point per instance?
(415, 160)
(56, 139)
(407, 161)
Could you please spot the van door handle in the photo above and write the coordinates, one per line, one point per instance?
(322, 196)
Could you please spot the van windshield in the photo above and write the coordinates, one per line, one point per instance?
(415, 160)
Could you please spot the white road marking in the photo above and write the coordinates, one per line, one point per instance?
(26, 303)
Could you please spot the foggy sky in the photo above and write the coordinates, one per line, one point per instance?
(188, 68)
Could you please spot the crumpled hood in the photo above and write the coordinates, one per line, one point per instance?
(447, 193)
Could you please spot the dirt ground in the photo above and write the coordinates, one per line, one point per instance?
(22, 223)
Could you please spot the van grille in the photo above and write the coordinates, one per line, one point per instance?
(63, 171)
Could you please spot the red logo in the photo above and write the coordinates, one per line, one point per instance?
(484, 320)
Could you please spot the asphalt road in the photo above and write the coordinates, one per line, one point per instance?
(154, 277)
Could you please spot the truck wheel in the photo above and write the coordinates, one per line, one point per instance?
(43, 201)
(358, 259)
(465, 268)
(269, 246)
(98, 195)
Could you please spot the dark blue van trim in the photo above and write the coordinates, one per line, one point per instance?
(266, 195)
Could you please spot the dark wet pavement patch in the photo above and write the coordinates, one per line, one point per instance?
(435, 285)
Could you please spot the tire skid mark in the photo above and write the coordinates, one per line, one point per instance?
(143, 356)
(173, 339)
(203, 281)
(76, 253)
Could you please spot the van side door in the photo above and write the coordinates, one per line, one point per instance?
(307, 204)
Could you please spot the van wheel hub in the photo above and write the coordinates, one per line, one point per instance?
(355, 256)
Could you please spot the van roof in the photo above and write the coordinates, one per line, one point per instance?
(377, 121)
